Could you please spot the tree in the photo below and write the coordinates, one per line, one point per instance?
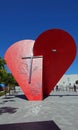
(6, 77)
(10, 82)
(76, 82)
(2, 64)
(2, 69)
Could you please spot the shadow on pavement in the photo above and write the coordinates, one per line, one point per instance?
(8, 97)
(8, 101)
(21, 96)
(61, 95)
(42, 125)
(9, 110)
(5, 101)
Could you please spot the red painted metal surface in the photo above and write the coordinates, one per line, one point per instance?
(58, 50)
(28, 71)
(38, 65)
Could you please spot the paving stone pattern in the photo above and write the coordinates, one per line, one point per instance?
(60, 107)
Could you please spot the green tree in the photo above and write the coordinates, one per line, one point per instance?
(10, 82)
(76, 82)
(2, 63)
(2, 69)
(6, 77)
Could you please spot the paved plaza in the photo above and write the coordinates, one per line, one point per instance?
(60, 107)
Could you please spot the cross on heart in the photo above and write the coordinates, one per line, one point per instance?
(38, 65)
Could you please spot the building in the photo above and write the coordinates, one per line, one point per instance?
(67, 81)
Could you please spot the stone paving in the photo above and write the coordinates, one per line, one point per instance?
(60, 107)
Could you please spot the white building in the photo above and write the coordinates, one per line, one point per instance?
(67, 80)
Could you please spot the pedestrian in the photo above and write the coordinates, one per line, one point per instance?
(56, 87)
(74, 87)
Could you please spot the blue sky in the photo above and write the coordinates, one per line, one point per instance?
(26, 19)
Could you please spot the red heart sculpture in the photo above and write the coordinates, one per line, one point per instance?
(38, 76)
(58, 50)
(27, 71)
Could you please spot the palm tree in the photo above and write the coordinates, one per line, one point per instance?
(6, 77)
(2, 63)
(2, 69)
